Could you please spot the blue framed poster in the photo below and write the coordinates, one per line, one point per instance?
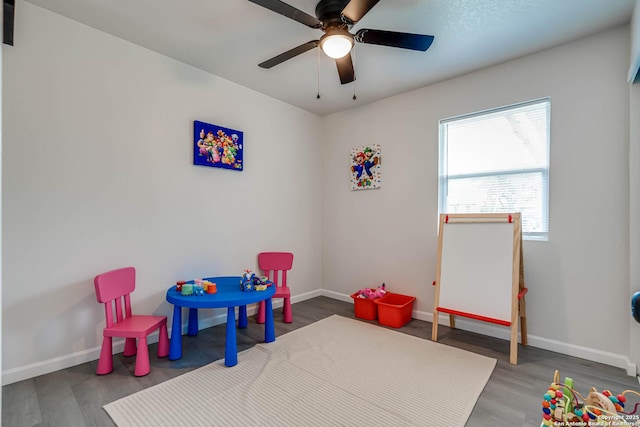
(217, 146)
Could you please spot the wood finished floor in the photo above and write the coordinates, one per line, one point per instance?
(74, 397)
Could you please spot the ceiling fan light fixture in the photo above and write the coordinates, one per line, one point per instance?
(336, 43)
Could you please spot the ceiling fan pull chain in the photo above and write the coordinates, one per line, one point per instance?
(354, 78)
(318, 64)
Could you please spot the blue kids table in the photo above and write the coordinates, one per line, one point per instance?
(228, 295)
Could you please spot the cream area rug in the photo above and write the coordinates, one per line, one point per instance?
(335, 372)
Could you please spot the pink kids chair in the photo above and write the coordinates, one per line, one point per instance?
(274, 264)
(113, 288)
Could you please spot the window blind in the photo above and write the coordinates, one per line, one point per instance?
(498, 161)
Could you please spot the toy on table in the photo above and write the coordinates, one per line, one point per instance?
(210, 288)
(187, 289)
(370, 293)
(198, 287)
(252, 282)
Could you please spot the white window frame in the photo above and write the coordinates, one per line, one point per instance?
(443, 177)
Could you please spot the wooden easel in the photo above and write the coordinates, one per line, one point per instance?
(507, 316)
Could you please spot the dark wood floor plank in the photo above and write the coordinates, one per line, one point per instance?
(20, 405)
(512, 397)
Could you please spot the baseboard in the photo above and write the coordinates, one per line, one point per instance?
(21, 373)
(605, 357)
(337, 295)
(595, 355)
(10, 376)
(218, 317)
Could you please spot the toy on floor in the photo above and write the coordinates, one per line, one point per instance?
(635, 306)
(370, 293)
(252, 282)
(563, 405)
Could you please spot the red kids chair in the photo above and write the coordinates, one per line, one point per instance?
(113, 289)
(274, 264)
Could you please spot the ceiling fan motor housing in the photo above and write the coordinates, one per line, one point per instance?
(328, 12)
(335, 18)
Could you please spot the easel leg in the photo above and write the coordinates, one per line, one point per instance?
(452, 321)
(513, 357)
(523, 322)
(521, 304)
(434, 326)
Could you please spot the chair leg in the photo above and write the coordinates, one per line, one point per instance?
(163, 341)
(142, 359)
(105, 362)
(261, 310)
(286, 311)
(129, 347)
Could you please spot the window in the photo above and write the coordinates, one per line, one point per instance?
(498, 161)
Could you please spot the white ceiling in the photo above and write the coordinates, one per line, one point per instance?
(230, 38)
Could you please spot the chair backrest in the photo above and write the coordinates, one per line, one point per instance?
(113, 289)
(273, 262)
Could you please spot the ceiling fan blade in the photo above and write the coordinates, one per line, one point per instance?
(345, 69)
(289, 54)
(8, 21)
(394, 39)
(356, 9)
(289, 11)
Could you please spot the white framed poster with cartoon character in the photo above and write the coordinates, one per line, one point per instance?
(366, 167)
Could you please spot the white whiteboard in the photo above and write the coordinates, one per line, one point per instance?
(476, 273)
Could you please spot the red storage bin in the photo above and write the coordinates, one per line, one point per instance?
(366, 308)
(395, 309)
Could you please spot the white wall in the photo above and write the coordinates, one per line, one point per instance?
(97, 174)
(578, 280)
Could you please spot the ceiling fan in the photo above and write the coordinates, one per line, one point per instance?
(335, 18)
